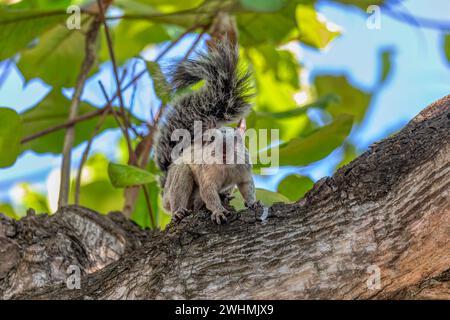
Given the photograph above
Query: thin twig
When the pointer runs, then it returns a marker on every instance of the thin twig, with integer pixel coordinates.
(86, 116)
(145, 146)
(415, 21)
(86, 153)
(89, 144)
(149, 206)
(197, 40)
(96, 113)
(114, 113)
(89, 59)
(132, 100)
(133, 94)
(70, 123)
(124, 115)
(177, 40)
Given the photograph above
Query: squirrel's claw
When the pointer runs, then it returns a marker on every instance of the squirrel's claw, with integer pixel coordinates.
(255, 205)
(218, 217)
(180, 215)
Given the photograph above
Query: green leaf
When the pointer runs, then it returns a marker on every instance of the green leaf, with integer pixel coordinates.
(316, 146)
(111, 198)
(276, 73)
(58, 56)
(38, 4)
(447, 46)
(161, 86)
(54, 110)
(294, 186)
(10, 135)
(267, 197)
(138, 35)
(169, 6)
(314, 31)
(349, 154)
(19, 28)
(8, 211)
(95, 185)
(122, 176)
(33, 199)
(352, 100)
(263, 5)
(272, 27)
(320, 103)
(183, 13)
(386, 62)
(141, 213)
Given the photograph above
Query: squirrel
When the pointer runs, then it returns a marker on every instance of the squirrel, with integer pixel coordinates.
(223, 99)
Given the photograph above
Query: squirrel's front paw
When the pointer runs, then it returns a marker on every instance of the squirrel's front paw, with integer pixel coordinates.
(179, 215)
(219, 217)
(255, 205)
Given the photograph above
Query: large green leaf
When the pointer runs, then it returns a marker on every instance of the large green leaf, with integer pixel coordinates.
(141, 213)
(263, 5)
(38, 4)
(276, 73)
(349, 153)
(352, 100)
(58, 56)
(316, 146)
(314, 31)
(138, 35)
(33, 199)
(294, 186)
(95, 185)
(122, 176)
(320, 103)
(10, 136)
(169, 6)
(54, 110)
(272, 27)
(267, 197)
(8, 210)
(183, 13)
(19, 27)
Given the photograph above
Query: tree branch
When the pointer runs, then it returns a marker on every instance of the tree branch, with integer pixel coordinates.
(89, 60)
(91, 139)
(379, 228)
(123, 114)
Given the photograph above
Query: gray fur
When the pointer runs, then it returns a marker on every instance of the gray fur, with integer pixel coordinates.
(222, 99)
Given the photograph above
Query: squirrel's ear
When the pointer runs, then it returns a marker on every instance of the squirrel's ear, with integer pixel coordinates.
(242, 126)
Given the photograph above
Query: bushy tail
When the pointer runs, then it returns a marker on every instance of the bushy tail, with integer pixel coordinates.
(222, 99)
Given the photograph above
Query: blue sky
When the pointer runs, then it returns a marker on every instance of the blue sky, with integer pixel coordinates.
(420, 75)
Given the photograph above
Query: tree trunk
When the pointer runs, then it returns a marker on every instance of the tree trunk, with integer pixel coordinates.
(379, 228)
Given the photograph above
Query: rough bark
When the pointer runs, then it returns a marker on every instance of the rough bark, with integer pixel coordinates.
(387, 211)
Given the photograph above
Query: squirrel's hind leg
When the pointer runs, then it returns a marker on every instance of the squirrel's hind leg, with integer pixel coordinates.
(177, 191)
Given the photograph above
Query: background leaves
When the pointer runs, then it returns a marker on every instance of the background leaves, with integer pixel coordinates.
(34, 33)
(10, 135)
(54, 110)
